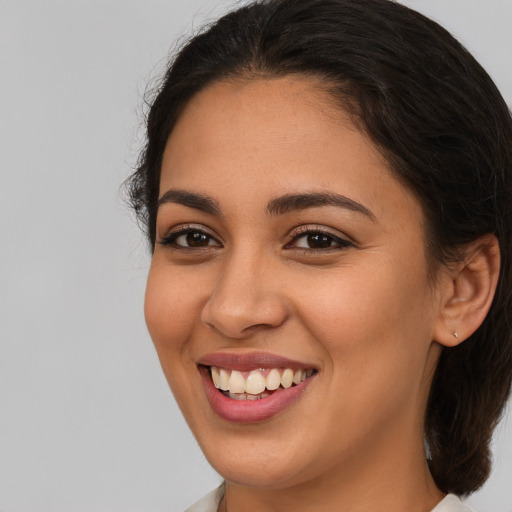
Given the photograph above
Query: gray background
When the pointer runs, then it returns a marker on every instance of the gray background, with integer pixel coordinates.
(86, 420)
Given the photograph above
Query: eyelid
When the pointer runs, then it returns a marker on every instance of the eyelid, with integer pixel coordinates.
(337, 236)
(343, 240)
(182, 229)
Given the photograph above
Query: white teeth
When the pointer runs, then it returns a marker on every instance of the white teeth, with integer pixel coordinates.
(273, 379)
(236, 382)
(247, 396)
(215, 377)
(238, 396)
(287, 378)
(223, 380)
(255, 383)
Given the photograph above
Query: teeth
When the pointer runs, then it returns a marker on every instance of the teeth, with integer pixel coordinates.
(246, 396)
(216, 377)
(223, 380)
(273, 379)
(238, 396)
(236, 382)
(254, 385)
(287, 378)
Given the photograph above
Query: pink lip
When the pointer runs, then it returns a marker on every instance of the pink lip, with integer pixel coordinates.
(251, 361)
(250, 411)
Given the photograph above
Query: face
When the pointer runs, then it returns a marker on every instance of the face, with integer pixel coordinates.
(290, 268)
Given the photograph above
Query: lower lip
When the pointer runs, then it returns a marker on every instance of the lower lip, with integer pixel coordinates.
(250, 411)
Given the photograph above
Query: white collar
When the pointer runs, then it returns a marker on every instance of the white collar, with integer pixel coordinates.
(210, 503)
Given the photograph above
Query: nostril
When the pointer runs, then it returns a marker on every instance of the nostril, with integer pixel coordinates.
(245, 318)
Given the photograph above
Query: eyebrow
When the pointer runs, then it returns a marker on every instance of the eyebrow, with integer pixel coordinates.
(191, 200)
(277, 206)
(296, 202)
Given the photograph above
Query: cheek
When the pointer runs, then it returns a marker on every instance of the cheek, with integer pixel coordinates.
(372, 324)
(374, 332)
(170, 309)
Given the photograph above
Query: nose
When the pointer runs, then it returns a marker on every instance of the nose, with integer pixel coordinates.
(245, 298)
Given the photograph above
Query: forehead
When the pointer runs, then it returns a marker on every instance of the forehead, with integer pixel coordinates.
(278, 109)
(265, 137)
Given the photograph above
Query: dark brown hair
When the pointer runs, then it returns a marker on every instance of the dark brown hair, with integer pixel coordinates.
(445, 130)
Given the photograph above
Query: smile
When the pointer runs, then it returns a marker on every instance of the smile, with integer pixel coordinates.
(256, 384)
(253, 387)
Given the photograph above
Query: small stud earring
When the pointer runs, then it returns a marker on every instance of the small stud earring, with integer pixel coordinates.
(456, 334)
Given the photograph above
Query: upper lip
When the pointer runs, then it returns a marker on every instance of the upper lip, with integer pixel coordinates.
(245, 362)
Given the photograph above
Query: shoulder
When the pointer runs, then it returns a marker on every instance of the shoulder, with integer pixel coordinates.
(208, 503)
(452, 503)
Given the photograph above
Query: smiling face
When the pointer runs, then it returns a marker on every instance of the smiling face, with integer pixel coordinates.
(285, 244)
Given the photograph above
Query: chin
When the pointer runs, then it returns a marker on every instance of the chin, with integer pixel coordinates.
(259, 470)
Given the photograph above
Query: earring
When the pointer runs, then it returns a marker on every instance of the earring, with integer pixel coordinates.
(456, 334)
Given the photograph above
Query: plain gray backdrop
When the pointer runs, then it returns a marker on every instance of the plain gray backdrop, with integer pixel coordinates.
(87, 423)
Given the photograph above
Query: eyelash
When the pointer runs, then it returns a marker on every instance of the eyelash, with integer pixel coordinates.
(307, 231)
(170, 240)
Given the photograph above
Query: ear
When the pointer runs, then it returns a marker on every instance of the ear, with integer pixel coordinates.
(467, 291)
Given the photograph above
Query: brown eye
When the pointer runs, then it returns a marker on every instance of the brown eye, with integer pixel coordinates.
(319, 241)
(315, 240)
(190, 238)
(196, 239)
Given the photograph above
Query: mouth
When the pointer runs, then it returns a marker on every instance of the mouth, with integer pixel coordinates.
(248, 388)
(256, 384)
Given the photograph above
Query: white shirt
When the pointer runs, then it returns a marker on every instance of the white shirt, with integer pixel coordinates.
(211, 501)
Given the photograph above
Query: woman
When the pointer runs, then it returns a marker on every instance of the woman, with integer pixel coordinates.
(326, 189)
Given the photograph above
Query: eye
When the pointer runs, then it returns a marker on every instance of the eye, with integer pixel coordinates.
(190, 238)
(318, 240)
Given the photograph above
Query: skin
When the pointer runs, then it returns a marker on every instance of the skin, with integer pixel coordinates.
(364, 314)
